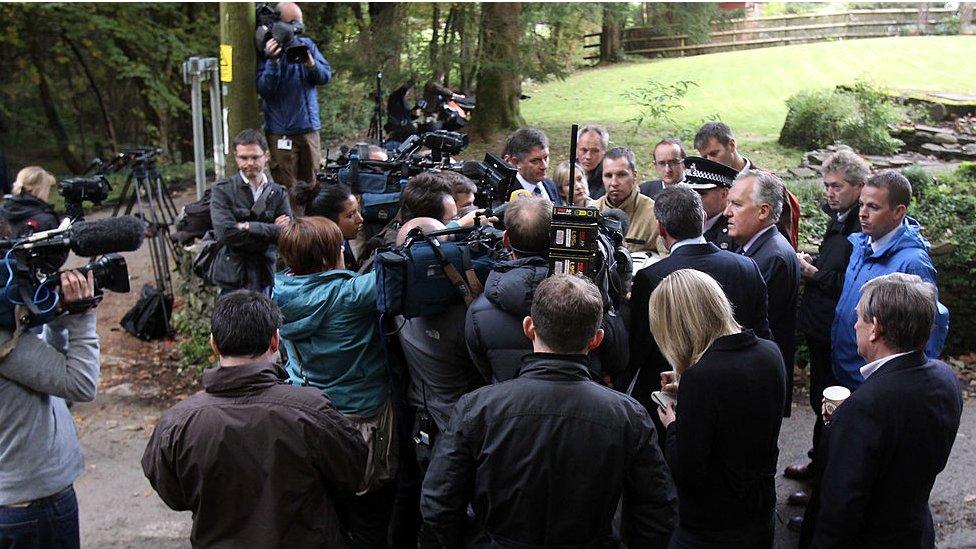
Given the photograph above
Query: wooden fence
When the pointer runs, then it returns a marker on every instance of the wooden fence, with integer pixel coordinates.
(782, 30)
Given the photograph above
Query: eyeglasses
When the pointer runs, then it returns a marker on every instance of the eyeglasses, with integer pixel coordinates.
(668, 163)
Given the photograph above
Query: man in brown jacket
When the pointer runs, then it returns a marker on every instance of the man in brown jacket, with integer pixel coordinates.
(259, 463)
(620, 181)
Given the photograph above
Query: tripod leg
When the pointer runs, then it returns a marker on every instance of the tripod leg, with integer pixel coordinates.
(125, 190)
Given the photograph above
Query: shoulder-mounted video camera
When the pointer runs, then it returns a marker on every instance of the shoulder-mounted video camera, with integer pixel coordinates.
(29, 274)
(425, 276)
(270, 25)
(583, 241)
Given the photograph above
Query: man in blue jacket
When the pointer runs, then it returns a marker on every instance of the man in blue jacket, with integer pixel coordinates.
(889, 242)
(291, 106)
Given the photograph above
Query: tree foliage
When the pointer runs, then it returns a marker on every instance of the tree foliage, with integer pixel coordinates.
(84, 79)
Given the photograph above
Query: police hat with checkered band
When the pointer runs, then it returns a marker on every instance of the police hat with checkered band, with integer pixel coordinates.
(703, 174)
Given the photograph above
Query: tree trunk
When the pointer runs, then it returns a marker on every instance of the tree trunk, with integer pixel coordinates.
(241, 98)
(386, 36)
(499, 80)
(54, 121)
(611, 46)
(435, 27)
(357, 11)
(966, 18)
(923, 17)
(86, 67)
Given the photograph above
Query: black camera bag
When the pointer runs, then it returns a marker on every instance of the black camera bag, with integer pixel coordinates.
(147, 319)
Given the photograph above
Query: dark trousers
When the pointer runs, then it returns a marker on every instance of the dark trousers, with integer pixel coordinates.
(821, 377)
(368, 517)
(297, 164)
(749, 537)
(46, 522)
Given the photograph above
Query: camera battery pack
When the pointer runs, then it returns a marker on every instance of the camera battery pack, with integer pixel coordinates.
(573, 242)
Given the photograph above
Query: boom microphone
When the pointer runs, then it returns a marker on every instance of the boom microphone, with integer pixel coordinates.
(91, 238)
(115, 234)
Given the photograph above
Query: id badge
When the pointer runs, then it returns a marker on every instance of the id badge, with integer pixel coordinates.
(284, 144)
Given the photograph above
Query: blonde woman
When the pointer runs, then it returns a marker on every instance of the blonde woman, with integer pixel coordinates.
(721, 439)
(581, 195)
(27, 210)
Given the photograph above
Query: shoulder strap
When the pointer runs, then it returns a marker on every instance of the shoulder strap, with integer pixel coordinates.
(262, 202)
(452, 273)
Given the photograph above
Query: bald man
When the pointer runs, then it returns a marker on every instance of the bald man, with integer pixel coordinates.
(290, 102)
(440, 371)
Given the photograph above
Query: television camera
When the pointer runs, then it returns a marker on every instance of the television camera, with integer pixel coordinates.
(270, 25)
(29, 268)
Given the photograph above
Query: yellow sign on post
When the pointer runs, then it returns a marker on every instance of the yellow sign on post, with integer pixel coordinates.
(226, 63)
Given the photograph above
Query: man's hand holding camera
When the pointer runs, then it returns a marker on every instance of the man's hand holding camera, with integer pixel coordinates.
(272, 49)
(79, 291)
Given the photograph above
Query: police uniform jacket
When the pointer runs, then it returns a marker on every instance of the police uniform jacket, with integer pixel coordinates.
(718, 234)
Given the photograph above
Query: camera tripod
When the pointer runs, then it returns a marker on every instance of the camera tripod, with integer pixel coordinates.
(155, 207)
(376, 124)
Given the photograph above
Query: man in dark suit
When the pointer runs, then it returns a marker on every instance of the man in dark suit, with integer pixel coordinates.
(528, 150)
(888, 441)
(669, 155)
(755, 204)
(247, 211)
(679, 216)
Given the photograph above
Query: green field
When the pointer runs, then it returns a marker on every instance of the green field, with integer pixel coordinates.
(747, 88)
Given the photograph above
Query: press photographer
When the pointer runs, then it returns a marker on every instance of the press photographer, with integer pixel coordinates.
(41, 454)
(286, 79)
(493, 324)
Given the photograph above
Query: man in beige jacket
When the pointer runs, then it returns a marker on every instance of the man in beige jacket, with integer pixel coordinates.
(620, 181)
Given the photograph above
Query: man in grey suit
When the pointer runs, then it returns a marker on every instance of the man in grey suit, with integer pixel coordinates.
(755, 204)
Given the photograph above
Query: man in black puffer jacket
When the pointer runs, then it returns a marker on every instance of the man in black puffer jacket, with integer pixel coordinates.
(493, 324)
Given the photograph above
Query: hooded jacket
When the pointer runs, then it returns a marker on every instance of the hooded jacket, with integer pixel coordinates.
(329, 331)
(28, 214)
(493, 324)
(907, 252)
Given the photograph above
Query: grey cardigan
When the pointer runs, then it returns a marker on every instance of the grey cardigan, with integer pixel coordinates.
(39, 450)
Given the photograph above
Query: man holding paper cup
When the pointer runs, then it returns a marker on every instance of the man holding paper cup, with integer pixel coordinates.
(887, 441)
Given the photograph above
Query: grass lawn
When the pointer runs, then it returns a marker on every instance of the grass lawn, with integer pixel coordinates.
(747, 89)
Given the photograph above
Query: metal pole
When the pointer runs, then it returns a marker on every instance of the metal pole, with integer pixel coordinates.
(191, 71)
(216, 120)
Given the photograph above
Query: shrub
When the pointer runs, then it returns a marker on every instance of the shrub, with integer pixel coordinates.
(815, 118)
(947, 213)
(858, 115)
(920, 178)
(867, 131)
(659, 102)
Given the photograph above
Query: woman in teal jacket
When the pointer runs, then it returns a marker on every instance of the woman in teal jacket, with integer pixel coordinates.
(330, 325)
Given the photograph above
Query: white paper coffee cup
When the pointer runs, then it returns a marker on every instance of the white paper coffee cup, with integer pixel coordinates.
(833, 397)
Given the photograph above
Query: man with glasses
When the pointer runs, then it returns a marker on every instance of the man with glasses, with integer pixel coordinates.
(668, 157)
(247, 211)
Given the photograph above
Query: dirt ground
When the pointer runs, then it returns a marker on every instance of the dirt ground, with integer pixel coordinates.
(139, 381)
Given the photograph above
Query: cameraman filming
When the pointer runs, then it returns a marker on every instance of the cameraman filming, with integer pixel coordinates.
(39, 452)
(291, 105)
(493, 323)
